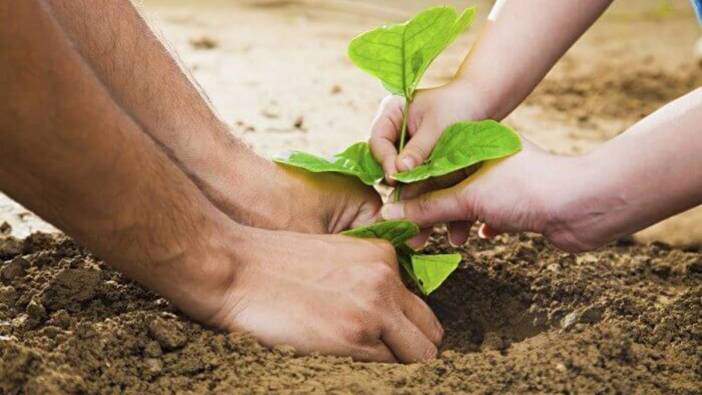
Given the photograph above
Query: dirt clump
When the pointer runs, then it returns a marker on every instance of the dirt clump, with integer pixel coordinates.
(69, 288)
(9, 246)
(519, 317)
(168, 334)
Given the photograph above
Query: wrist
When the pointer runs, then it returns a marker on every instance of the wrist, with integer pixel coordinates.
(279, 197)
(582, 210)
(178, 245)
(265, 200)
(475, 101)
(203, 277)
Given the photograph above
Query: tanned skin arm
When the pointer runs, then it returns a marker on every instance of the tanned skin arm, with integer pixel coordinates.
(130, 60)
(71, 153)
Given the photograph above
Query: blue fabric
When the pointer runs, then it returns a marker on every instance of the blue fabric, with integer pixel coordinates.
(697, 4)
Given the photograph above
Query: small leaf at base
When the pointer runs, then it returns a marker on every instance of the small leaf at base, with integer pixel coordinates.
(396, 232)
(430, 271)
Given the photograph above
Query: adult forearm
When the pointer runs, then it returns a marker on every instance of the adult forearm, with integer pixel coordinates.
(519, 44)
(647, 174)
(73, 156)
(151, 86)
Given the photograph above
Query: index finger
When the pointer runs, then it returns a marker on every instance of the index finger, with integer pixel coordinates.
(385, 131)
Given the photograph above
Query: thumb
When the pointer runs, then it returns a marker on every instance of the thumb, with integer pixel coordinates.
(431, 208)
(418, 148)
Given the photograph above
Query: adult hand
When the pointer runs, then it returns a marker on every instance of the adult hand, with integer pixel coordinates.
(318, 293)
(262, 194)
(324, 202)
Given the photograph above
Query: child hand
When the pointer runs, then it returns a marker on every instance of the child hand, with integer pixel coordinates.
(430, 113)
(530, 191)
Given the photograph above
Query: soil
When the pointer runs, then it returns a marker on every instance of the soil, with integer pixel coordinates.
(519, 315)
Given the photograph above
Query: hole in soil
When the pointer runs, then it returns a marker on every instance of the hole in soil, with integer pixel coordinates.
(482, 313)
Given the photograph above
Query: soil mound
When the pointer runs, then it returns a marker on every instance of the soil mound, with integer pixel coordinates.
(519, 317)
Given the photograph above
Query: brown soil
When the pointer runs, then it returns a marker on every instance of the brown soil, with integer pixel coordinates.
(519, 317)
(615, 92)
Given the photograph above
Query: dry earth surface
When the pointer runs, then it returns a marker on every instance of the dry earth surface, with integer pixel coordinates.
(519, 315)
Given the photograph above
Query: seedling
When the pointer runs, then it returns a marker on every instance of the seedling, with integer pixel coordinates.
(399, 55)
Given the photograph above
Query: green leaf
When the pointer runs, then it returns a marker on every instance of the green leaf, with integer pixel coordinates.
(430, 271)
(427, 271)
(356, 160)
(396, 232)
(404, 256)
(400, 54)
(464, 144)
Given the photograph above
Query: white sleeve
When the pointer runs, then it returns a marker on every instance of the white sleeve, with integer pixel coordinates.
(495, 12)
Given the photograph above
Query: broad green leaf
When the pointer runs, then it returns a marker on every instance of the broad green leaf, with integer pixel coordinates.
(396, 232)
(430, 271)
(356, 160)
(400, 54)
(464, 144)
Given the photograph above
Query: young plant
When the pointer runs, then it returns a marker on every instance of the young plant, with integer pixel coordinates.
(427, 271)
(399, 55)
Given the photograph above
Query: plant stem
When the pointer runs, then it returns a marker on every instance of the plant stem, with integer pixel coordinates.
(403, 135)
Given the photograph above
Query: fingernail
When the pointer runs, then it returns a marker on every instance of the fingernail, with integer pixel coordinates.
(439, 331)
(417, 245)
(430, 354)
(481, 232)
(408, 162)
(392, 211)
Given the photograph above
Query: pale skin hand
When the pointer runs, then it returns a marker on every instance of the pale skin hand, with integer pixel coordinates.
(75, 156)
(580, 203)
(138, 70)
(431, 112)
(514, 51)
(512, 55)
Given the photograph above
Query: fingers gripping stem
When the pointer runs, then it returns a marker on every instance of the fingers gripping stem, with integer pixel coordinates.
(403, 136)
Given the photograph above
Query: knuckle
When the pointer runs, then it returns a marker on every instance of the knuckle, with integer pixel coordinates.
(425, 203)
(377, 145)
(417, 152)
(385, 250)
(380, 276)
(371, 278)
(356, 331)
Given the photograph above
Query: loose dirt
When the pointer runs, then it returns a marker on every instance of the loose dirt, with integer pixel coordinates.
(519, 317)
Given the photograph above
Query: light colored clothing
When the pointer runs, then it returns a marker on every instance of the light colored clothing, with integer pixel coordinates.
(697, 5)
